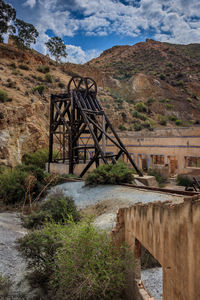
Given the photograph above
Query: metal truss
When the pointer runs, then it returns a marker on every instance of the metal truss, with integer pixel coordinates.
(76, 118)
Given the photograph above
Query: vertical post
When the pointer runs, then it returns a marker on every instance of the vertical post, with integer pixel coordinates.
(96, 150)
(103, 135)
(51, 132)
(63, 142)
(70, 143)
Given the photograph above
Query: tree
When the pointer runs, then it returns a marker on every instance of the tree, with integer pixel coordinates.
(7, 14)
(56, 47)
(26, 34)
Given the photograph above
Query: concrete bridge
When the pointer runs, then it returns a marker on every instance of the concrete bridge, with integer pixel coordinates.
(171, 233)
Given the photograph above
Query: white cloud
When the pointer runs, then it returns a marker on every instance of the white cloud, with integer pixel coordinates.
(175, 21)
(30, 3)
(78, 55)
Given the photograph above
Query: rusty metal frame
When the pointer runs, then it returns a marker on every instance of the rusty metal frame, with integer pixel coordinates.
(78, 114)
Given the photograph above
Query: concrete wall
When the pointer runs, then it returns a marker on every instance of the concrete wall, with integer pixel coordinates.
(60, 168)
(171, 233)
(174, 144)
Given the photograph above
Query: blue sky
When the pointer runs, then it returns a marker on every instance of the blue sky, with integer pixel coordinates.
(88, 27)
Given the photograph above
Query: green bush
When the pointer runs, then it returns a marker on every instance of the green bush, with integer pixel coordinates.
(172, 118)
(137, 126)
(16, 72)
(122, 127)
(76, 261)
(5, 285)
(110, 174)
(158, 176)
(150, 101)
(137, 115)
(38, 158)
(57, 208)
(39, 173)
(162, 77)
(13, 183)
(179, 122)
(124, 116)
(169, 106)
(39, 88)
(61, 85)
(12, 188)
(3, 96)
(48, 78)
(180, 83)
(43, 69)
(141, 107)
(24, 67)
(183, 180)
(162, 120)
(12, 66)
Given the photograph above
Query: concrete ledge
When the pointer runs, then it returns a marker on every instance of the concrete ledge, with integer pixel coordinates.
(147, 180)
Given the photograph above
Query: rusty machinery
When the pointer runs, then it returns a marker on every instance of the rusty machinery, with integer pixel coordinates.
(76, 119)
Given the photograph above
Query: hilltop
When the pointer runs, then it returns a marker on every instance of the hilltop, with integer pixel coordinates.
(163, 76)
(147, 85)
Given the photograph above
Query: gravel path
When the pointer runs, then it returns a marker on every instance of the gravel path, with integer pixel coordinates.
(152, 281)
(11, 264)
(85, 196)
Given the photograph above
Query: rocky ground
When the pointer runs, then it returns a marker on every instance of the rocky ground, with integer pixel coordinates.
(11, 264)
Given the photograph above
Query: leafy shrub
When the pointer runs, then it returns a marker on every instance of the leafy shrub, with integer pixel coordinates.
(48, 78)
(3, 96)
(122, 127)
(5, 285)
(39, 88)
(39, 78)
(162, 77)
(24, 67)
(10, 83)
(180, 83)
(179, 122)
(38, 158)
(124, 116)
(169, 106)
(43, 69)
(162, 120)
(146, 124)
(13, 183)
(141, 107)
(39, 173)
(76, 261)
(16, 72)
(158, 176)
(110, 174)
(13, 66)
(57, 208)
(183, 180)
(172, 118)
(61, 85)
(137, 126)
(150, 101)
(12, 188)
(137, 115)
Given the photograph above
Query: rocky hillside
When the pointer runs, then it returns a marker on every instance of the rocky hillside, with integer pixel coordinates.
(164, 77)
(143, 86)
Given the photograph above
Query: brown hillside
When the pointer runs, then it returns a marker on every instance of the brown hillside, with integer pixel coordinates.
(142, 86)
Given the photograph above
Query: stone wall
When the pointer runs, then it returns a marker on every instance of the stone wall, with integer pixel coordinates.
(171, 233)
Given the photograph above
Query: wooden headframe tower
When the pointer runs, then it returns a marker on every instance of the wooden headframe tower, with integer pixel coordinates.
(77, 117)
